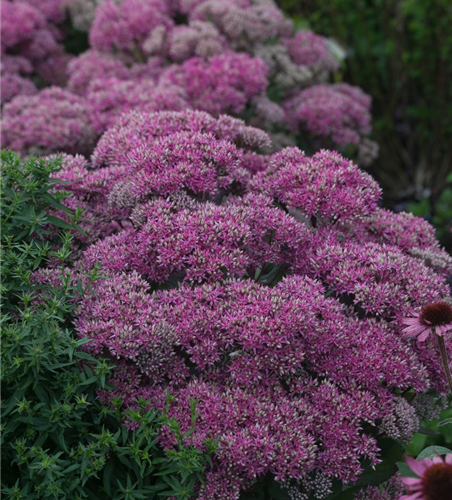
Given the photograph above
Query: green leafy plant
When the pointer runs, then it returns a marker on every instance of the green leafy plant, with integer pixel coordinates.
(439, 212)
(58, 440)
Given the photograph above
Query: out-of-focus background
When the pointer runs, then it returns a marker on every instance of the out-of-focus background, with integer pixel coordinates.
(399, 52)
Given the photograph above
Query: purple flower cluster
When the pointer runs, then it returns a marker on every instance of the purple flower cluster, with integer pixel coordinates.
(47, 122)
(270, 289)
(325, 186)
(14, 85)
(223, 84)
(338, 111)
(126, 26)
(53, 10)
(311, 50)
(199, 243)
(30, 45)
(159, 154)
(137, 131)
(153, 55)
(91, 66)
(392, 490)
(111, 97)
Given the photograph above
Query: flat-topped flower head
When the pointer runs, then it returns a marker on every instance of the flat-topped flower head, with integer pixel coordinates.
(434, 481)
(54, 120)
(436, 317)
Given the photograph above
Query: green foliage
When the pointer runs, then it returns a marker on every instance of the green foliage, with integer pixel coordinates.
(433, 451)
(75, 42)
(438, 211)
(400, 52)
(436, 433)
(58, 440)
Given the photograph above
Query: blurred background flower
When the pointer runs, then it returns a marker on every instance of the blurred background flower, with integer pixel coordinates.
(400, 53)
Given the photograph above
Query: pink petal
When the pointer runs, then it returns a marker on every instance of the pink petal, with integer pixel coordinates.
(448, 459)
(414, 326)
(443, 329)
(411, 481)
(411, 321)
(437, 460)
(413, 331)
(414, 496)
(416, 466)
(423, 336)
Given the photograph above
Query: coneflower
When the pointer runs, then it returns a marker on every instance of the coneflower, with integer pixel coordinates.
(436, 319)
(434, 481)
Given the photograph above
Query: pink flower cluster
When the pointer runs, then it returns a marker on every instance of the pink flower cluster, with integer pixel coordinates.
(53, 10)
(52, 120)
(339, 111)
(393, 490)
(311, 50)
(325, 185)
(13, 85)
(269, 289)
(30, 44)
(223, 84)
(198, 243)
(158, 154)
(137, 131)
(126, 26)
(210, 55)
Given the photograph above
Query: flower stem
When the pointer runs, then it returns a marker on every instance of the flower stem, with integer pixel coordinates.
(445, 360)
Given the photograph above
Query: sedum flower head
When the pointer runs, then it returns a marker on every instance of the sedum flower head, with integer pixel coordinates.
(52, 120)
(338, 111)
(53, 10)
(93, 65)
(269, 288)
(325, 185)
(137, 129)
(13, 85)
(312, 51)
(124, 26)
(223, 84)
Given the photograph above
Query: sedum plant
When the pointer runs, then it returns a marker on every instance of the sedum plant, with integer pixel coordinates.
(271, 289)
(241, 57)
(59, 441)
